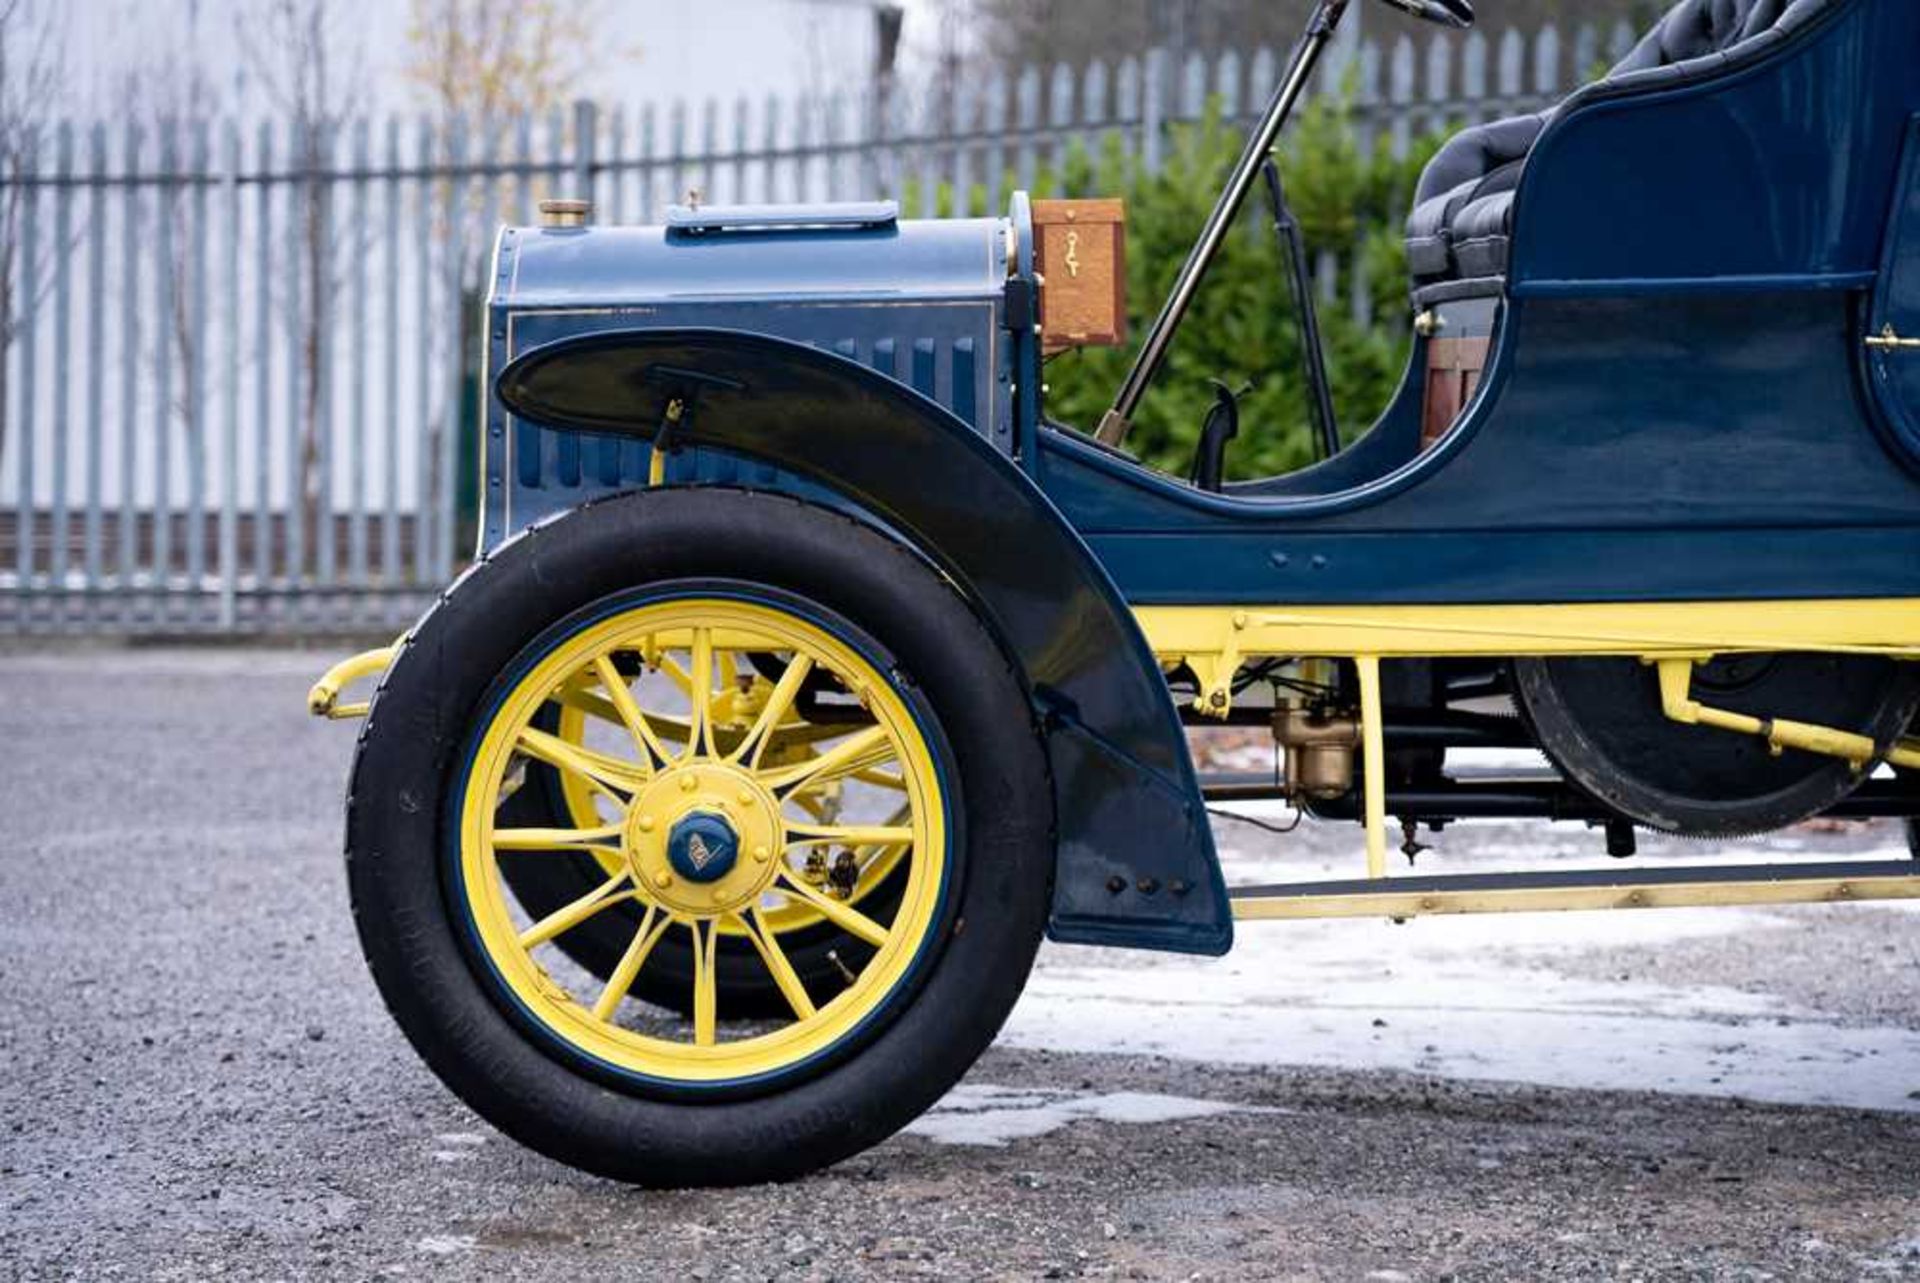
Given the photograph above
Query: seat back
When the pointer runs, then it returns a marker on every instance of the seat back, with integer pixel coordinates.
(1700, 28)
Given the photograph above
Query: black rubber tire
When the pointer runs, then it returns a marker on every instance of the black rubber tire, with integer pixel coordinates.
(543, 881)
(943, 659)
(1601, 724)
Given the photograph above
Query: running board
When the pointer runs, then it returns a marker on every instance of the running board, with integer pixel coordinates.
(1668, 888)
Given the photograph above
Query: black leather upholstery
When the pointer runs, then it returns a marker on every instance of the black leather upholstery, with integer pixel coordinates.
(1475, 162)
(1480, 235)
(1461, 226)
(1697, 28)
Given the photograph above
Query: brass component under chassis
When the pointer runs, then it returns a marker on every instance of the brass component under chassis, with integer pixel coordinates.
(1319, 751)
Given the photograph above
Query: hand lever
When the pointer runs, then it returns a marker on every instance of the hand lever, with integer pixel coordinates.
(1222, 426)
(1448, 13)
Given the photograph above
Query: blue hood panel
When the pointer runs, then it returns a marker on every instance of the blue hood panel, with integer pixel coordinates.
(633, 265)
(920, 302)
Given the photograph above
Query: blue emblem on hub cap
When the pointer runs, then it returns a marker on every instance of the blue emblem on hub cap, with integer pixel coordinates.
(703, 847)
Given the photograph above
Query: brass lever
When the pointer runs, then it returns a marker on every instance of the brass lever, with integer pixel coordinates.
(1888, 341)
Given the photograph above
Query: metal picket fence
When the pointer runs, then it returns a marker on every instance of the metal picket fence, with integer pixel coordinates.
(239, 395)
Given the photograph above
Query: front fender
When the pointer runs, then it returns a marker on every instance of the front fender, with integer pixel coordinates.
(1135, 863)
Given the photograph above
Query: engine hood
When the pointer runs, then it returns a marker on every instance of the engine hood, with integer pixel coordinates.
(857, 252)
(921, 302)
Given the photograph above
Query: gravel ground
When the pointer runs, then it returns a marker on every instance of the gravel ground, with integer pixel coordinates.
(197, 1080)
(1864, 977)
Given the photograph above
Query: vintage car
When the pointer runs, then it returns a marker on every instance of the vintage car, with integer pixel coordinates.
(809, 674)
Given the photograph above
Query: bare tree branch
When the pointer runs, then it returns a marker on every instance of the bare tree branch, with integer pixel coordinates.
(170, 85)
(32, 53)
(305, 61)
(1020, 33)
(483, 63)
(485, 60)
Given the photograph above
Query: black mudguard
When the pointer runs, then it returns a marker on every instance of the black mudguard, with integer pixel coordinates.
(1135, 862)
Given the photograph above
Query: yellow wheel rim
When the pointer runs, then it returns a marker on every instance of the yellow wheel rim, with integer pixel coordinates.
(714, 810)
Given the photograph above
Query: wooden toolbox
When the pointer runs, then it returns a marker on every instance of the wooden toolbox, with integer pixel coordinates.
(1082, 256)
(1459, 337)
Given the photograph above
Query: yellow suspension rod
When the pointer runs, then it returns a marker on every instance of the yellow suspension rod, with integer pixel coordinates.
(324, 699)
(1676, 700)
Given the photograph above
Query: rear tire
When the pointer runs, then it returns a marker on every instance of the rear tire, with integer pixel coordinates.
(1601, 723)
(648, 1105)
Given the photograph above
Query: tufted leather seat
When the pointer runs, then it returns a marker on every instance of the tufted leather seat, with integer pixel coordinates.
(1462, 222)
(1482, 161)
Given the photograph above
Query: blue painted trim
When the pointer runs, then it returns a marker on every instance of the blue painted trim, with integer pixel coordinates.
(1451, 567)
(1697, 448)
(1633, 287)
(1029, 370)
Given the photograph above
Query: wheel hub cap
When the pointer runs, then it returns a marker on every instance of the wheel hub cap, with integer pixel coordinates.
(702, 839)
(703, 847)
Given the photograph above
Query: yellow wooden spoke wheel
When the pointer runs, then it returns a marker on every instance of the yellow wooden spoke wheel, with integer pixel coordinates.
(700, 837)
(704, 831)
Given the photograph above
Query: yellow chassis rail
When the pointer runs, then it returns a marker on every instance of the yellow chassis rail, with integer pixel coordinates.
(1601, 889)
(1215, 641)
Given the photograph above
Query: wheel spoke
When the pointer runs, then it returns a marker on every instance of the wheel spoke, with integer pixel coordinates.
(670, 666)
(700, 694)
(779, 702)
(804, 734)
(822, 809)
(574, 695)
(706, 987)
(850, 920)
(617, 779)
(628, 711)
(579, 911)
(882, 779)
(652, 927)
(778, 965)
(858, 752)
(849, 835)
(874, 855)
(592, 841)
(593, 704)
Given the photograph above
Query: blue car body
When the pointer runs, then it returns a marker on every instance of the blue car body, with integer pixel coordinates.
(1680, 405)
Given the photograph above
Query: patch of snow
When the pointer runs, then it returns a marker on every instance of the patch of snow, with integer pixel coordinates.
(1469, 998)
(446, 1244)
(982, 1114)
(457, 1147)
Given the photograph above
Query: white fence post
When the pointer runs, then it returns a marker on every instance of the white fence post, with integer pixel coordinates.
(330, 312)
